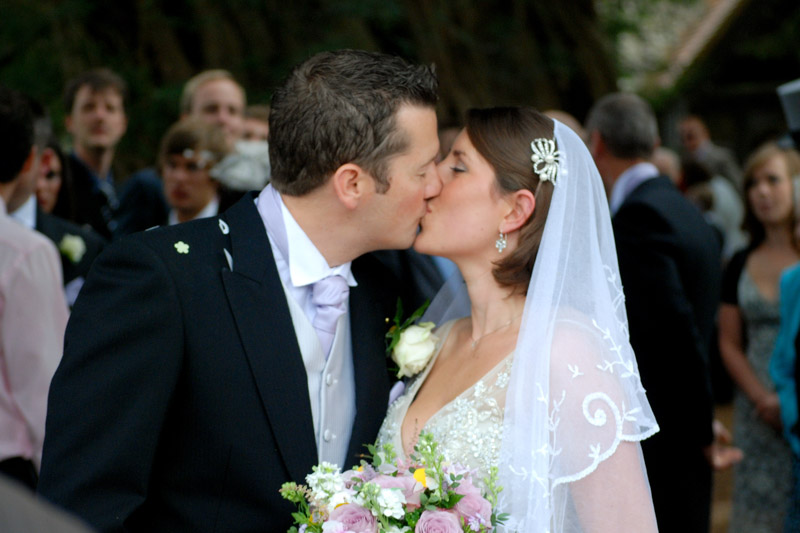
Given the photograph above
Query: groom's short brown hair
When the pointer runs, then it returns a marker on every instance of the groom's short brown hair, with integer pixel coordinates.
(340, 107)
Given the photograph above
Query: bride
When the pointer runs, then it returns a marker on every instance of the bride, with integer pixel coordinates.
(540, 379)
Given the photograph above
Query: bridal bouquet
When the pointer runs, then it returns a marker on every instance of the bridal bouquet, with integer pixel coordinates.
(388, 495)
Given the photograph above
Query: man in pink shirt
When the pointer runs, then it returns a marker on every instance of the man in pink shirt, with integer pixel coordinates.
(33, 312)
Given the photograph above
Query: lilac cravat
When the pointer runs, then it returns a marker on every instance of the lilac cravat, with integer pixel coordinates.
(330, 296)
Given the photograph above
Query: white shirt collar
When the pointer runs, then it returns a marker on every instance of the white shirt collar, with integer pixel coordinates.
(209, 210)
(306, 264)
(26, 214)
(628, 181)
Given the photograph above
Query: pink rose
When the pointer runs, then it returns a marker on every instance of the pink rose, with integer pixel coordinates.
(411, 488)
(466, 488)
(474, 506)
(438, 522)
(355, 518)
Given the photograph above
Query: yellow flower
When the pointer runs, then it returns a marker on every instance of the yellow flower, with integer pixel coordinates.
(419, 475)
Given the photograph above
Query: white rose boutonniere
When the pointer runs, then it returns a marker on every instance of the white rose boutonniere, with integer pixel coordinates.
(415, 348)
(410, 345)
(72, 247)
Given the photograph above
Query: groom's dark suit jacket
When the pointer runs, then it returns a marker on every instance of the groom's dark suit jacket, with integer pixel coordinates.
(181, 403)
(669, 262)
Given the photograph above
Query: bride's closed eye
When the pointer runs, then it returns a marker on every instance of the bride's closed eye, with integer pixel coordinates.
(458, 168)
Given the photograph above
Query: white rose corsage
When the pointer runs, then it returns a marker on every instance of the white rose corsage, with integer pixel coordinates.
(72, 247)
(410, 345)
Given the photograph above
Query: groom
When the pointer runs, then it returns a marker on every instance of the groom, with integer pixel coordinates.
(207, 363)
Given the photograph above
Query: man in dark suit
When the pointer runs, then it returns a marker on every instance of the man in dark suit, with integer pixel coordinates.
(670, 270)
(200, 372)
(78, 246)
(95, 105)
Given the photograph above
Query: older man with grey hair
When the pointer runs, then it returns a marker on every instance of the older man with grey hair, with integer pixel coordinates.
(669, 260)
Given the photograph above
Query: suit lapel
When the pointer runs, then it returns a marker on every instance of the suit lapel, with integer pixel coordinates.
(368, 326)
(258, 304)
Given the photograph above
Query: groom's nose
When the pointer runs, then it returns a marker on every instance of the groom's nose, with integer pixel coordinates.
(433, 183)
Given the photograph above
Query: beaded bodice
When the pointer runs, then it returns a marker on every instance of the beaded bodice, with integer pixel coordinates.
(469, 428)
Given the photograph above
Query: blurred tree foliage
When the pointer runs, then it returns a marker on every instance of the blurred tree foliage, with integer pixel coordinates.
(546, 54)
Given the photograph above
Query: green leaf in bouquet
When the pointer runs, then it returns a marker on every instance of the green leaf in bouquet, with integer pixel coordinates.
(373, 452)
(499, 519)
(451, 500)
(423, 500)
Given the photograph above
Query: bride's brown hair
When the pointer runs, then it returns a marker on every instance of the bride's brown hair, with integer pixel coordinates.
(503, 136)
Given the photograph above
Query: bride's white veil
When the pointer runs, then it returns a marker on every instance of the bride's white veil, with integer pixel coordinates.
(574, 401)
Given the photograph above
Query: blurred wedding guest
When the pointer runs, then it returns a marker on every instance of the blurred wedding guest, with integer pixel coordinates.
(33, 313)
(668, 163)
(78, 245)
(188, 151)
(783, 366)
(95, 105)
(749, 319)
(50, 180)
(669, 261)
(214, 97)
(22, 512)
(719, 201)
(256, 123)
(784, 370)
(698, 145)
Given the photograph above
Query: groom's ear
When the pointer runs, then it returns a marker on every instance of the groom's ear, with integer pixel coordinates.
(351, 183)
(522, 203)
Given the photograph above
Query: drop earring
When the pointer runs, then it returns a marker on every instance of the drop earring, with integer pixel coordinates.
(501, 243)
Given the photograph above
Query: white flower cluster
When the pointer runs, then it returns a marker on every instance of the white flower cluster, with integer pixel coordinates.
(327, 484)
(386, 502)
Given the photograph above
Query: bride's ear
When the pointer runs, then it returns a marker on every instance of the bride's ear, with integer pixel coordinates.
(522, 204)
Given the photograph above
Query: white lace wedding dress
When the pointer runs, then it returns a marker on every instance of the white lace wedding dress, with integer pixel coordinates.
(468, 429)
